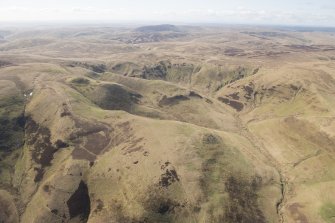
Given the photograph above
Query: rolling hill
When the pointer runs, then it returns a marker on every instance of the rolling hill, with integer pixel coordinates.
(212, 124)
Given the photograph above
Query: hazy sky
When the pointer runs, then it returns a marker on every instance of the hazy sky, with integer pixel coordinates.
(292, 12)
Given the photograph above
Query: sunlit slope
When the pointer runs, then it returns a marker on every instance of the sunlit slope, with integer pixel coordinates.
(290, 111)
(159, 170)
(209, 125)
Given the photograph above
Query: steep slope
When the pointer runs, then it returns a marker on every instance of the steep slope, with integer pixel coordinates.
(75, 152)
(287, 118)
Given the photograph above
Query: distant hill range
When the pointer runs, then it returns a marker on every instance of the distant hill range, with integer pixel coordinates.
(158, 28)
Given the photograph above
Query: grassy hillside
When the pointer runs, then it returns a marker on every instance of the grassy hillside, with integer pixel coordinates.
(188, 124)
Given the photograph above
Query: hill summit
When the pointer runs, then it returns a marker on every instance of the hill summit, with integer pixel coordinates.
(158, 28)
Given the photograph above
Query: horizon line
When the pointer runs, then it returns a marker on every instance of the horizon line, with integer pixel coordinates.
(141, 23)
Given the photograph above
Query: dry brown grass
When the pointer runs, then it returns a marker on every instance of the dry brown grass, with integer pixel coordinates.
(215, 125)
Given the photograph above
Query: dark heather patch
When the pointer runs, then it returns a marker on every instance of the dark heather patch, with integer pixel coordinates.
(234, 96)
(54, 211)
(165, 207)
(80, 80)
(160, 206)
(238, 74)
(238, 106)
(5, 63)
(39, 175)
(98, 68)
(165, 165)
(249, 90)
(208, 101)
(60, 144)
(134, 97)
(90, 139)
(169, 177)
(210, 139)
(294, 88)
(195, 95)
(307, 48)
(11, 129)
(65, 113)
(43, 151)
(125, 134)
(93, 139)
(255, 71)
(21, 121)
(243, 204)
(79, 203)
(96, 142)
(100, 206)
(234, 52)
(157, 71)
(174, 100)
(46, 188)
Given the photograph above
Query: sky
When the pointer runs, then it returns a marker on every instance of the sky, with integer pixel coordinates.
(266, 12)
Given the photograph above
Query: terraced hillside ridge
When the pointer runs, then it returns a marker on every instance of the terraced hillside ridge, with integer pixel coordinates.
(167, 124)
